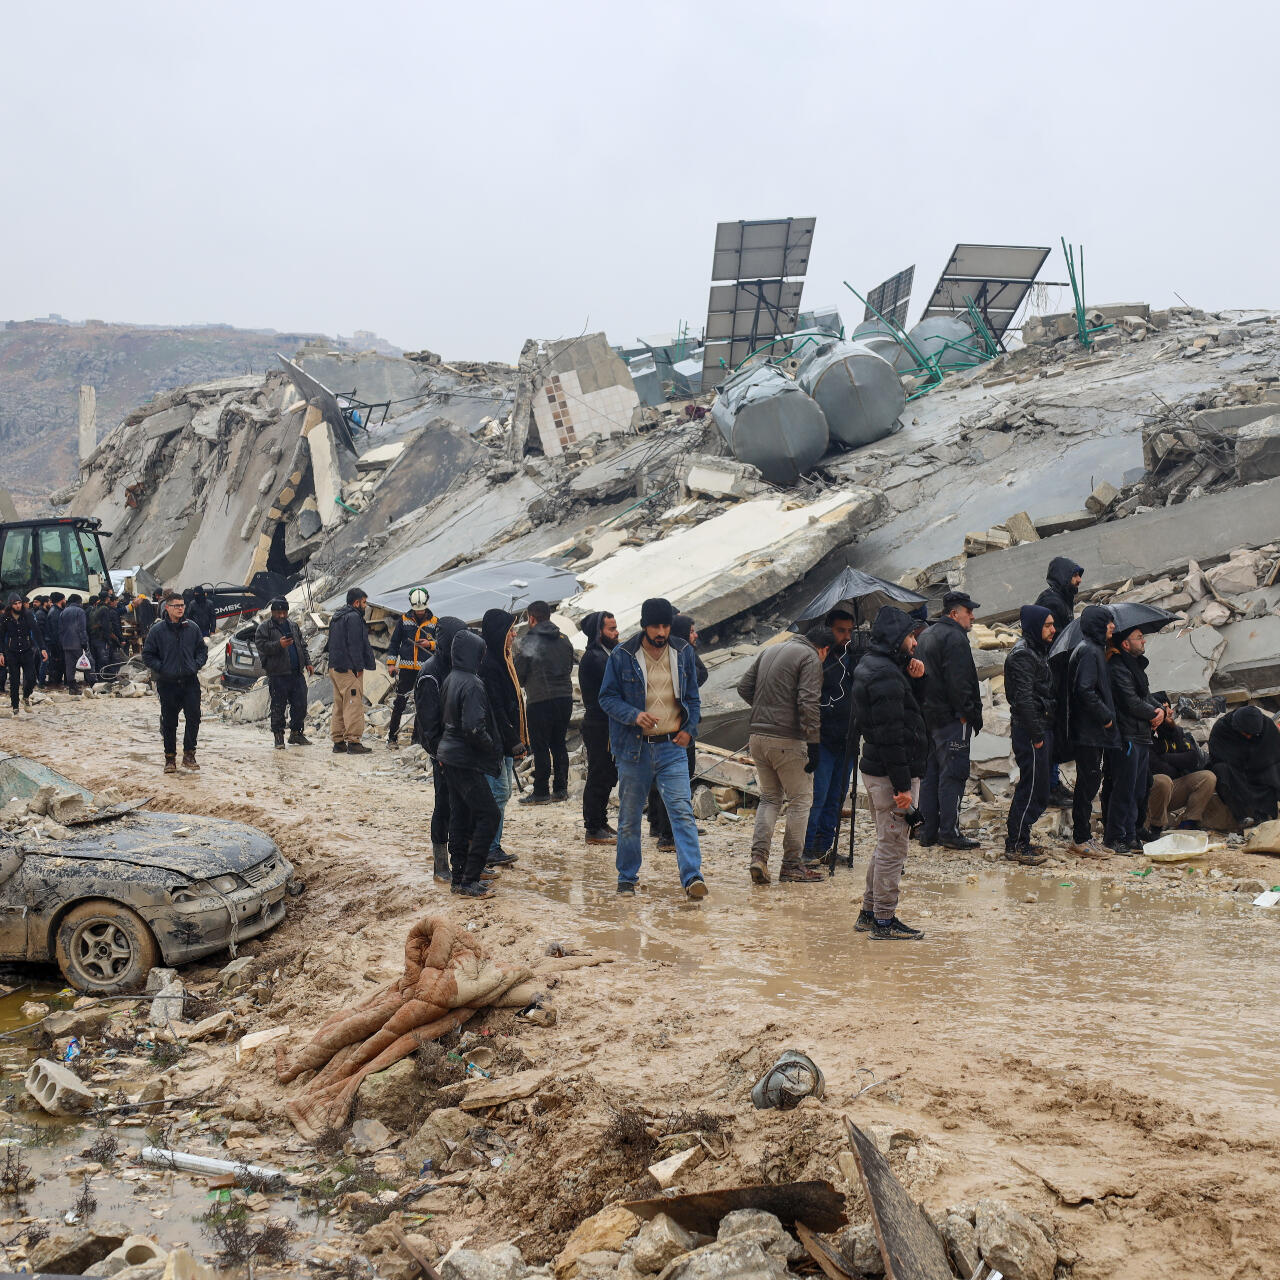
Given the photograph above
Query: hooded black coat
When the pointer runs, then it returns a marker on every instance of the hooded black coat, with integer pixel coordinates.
(428, 702)
(1090, 703)
(1028, 680)
(591, 668)
(503, 697)
(1059, 597)
(471, 738)
(895, 742)
(950, 687)
(1247, 769)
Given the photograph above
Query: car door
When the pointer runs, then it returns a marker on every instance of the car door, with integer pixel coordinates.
(13, 905)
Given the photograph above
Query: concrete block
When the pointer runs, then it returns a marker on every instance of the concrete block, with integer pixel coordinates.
(234, 976)
(1102, 497)
(1250, 660)
(58, 1089)
(1184, 663)
(134, 1252)
(1238, 575)
(377, 684)
(1022, 527)
(1258, 450)
(160, 425)
(1230, 418)
(380, 458)
(720, 477)
(1048, 526)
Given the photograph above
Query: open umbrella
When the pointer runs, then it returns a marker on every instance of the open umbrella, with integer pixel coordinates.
(1143, 617)
(864, 591)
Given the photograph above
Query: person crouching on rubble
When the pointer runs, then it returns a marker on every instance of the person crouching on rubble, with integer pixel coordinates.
(1137, 715)
(428, 726)
(413, 641)
(1244, 754)
(650, 694)
(1181, 781)
(1091, 721)
(601, 630)
(1029, 687)
(284, 659)
(895, 754)
(470, 751)
(174, 651)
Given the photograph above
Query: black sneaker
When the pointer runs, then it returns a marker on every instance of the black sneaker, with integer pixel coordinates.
(476, 889)
(500, 859)
(627, 888)
(864, 923)
(357, 749)
(557, 796)
(927, 842)
(894, 931)
(600, 835)
(340, 748)
(1026, 855)
(958, 842)
(666, 844)
(279, 741)
(1060, 798)
(534, 798)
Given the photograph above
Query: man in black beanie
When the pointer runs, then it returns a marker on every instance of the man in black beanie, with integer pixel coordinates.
(650, 694)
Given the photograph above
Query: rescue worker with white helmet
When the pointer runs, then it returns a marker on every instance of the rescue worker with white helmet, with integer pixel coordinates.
(412, 642)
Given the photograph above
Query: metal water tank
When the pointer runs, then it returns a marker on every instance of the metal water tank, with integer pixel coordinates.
(857, 390)
(949, 339)
(884, 342)
(771, 423)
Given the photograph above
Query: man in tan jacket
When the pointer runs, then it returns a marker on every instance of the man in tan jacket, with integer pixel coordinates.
(784, 688)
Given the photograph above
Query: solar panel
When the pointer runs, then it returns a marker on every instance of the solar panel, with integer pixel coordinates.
(761, 304)
(892, 298)
(996, 276)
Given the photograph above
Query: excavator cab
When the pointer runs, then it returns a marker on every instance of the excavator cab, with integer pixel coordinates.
(57, 554)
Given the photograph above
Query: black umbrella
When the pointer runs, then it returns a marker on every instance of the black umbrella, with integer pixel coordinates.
(1129, 617)
(864, 591)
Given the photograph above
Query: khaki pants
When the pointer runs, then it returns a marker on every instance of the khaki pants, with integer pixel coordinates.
(348, 706)
(780, 766)
(1188, 795)
(884, 872)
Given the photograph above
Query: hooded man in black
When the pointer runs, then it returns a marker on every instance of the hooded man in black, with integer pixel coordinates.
(470, 753)
(895, 751)
(428, 725)
(1244, 754)
(1137, 715)
(21, 650)
(1029, 687)
(601, 630)
(835, 762)
(1059, 597)
(1091, 717)
(498, 629)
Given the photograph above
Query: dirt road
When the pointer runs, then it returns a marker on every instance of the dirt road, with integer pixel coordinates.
(1076, 1027)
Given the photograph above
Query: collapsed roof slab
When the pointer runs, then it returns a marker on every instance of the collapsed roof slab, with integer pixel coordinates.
(1202, 529)
(725, 565)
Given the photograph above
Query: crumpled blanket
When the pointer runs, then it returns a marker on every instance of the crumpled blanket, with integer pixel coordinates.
(447, 978)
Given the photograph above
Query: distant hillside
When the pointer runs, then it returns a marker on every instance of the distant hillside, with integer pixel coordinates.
(43, 365)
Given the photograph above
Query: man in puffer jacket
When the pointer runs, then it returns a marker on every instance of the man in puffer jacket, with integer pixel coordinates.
(174, 651)
(428, 726)
(1137, 714)
(895, 751)
(544, 664)
(471, 752)
(1091, 715)
(1029, 687)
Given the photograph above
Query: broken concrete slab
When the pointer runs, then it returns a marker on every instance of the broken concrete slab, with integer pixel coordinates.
(1184, 662)
(1103, 495)
(380, 458)
(577, 387)
(161, 425)
(1205, 529)
(1258, 450)
(1022, 527)
(1048, 526)
(725, 565)
(720, 477)
(1230, 418)
(1250, 659)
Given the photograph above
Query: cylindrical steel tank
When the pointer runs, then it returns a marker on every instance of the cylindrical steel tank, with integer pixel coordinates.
(771, 423)
(857, 390)
(933, 335)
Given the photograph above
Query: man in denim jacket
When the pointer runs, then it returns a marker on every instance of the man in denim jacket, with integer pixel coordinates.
(650, 694)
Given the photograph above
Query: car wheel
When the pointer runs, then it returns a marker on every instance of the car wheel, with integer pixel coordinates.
(103, 948)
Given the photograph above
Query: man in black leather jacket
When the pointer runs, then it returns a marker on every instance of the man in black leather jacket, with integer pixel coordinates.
(1091, 715)
(1028, 685)
(1137, 714)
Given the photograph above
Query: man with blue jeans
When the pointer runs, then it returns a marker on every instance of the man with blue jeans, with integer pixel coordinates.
(498, 629)
(835, 764)
(650, 694)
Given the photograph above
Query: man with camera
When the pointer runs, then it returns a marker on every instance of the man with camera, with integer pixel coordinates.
(895, 754)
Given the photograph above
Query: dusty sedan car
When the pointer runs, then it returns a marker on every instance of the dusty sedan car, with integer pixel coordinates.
(128, 889)
(243, 666)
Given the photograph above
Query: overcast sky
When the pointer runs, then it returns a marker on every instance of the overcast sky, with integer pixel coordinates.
(463, 176)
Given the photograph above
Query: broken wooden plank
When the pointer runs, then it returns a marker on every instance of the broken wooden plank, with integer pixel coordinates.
(909, 1243)
(823, 1254)
(816, 1203)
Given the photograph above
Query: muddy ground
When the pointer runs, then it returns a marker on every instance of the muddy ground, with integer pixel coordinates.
(1096, 1047)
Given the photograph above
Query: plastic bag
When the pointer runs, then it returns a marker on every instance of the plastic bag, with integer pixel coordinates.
(82, 662)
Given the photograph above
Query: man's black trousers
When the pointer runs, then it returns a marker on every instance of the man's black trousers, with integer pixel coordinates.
(288, 693)
(602, 775)
(1088, 780)
(179, 697)
(440, 813)
(406, 678)
(21, 669)
(473, 822)
(548, 725)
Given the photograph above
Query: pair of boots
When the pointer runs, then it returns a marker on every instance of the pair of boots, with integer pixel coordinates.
(297, 738)
(188, 762)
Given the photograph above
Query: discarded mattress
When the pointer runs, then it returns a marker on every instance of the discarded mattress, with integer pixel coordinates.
(771, 423)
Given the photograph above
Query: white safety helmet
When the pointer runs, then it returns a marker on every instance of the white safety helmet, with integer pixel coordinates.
(418, 598)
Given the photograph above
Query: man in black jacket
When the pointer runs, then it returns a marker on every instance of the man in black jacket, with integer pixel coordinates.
(413, 640)
(21, 650)
(834, 766)
(428, 726)
(1091, 716)
(1029, 687)
(470, 751)
(1059, 597)
(1244, 754)
(350, 656)
(497, 629)
(895, 750)
(201, 612)
(1137, 714)
(601, 630)
(544, 665)
(174, 650)
(284, 659)
(952, 704)
(56, 671)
